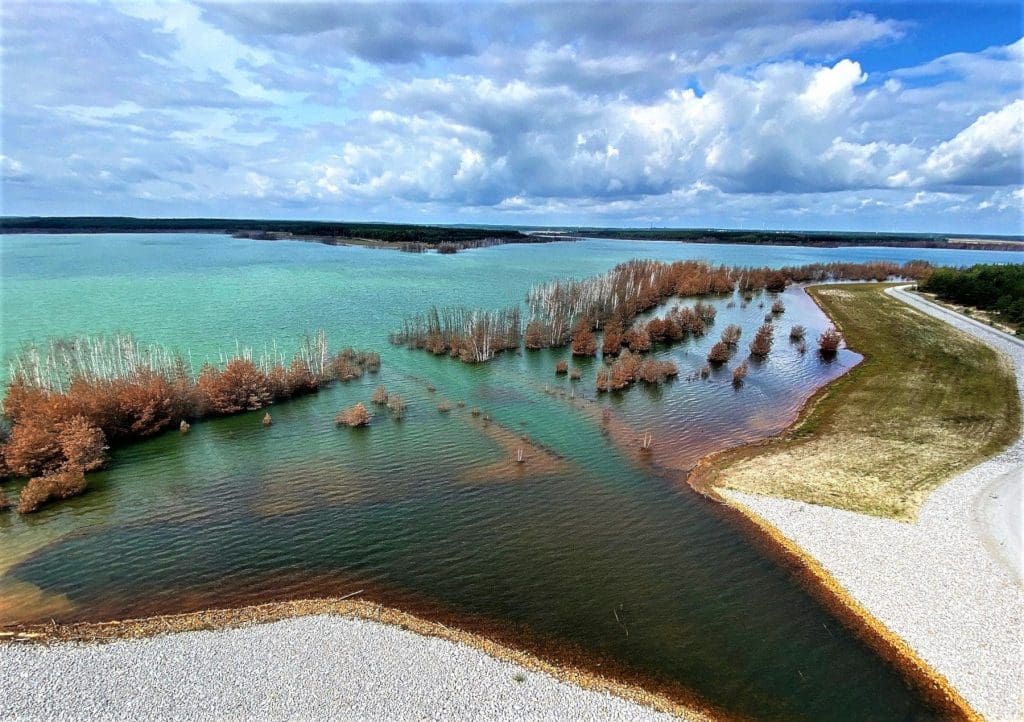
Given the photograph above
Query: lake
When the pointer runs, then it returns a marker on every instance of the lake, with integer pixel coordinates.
(588, 548)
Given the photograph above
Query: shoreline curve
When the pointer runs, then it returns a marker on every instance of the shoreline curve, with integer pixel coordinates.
(905, 633)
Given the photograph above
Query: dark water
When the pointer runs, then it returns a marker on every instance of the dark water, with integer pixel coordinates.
(585, 547)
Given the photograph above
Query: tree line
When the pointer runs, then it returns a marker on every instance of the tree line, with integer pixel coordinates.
(989, 287)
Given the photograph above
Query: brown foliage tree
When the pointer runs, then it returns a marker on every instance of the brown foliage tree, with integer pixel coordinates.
(241, 386)
(775, 281)
(299, 380)
(58, 485)
(638, 340)
(761, 346)
(778, 307)
(380, 396)
(719, 353)
(612, 342)
(583, 341)
(797, 332)
(657, 329)
(34, 446)
(82, 445)
(562, 367)
(705, 312)
(354, 416)
(829, 341)
(535, 337)
(656, 372)
(731, 335)
(739, 373)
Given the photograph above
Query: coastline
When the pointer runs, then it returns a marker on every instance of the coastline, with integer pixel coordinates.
(854, 559)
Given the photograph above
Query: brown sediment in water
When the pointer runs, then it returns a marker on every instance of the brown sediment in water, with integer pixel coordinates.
(16, 595)
(537, 460)
(561, 663)
(833, 596)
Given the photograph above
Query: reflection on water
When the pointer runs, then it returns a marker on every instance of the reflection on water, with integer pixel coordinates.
(586, 540)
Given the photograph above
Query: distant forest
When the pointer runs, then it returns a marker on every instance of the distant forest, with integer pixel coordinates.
(382, 232)
(458, 236)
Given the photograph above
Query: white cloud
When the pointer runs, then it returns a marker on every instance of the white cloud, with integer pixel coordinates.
(990, 151)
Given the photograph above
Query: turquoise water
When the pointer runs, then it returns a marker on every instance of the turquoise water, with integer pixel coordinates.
(588, 547)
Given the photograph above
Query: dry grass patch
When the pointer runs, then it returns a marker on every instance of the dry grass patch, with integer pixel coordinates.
(927, 402)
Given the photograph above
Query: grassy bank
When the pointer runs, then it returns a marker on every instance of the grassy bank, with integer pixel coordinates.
(926, 403)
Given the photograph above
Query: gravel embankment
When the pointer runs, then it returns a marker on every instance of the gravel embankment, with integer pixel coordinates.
(946, 583)
(317, 667)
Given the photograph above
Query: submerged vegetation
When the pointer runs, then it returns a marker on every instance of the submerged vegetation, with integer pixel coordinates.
(630, 367)
(927, 402)
(470, 335)
(571, 311)
(761, 346)
(560, 310)
(67, 400)
(828, 341)
(354, 416)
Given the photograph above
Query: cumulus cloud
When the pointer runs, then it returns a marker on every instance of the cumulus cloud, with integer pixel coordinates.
(700, 114)
(989, 152)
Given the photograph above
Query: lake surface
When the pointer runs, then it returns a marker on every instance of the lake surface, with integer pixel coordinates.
(588, 547)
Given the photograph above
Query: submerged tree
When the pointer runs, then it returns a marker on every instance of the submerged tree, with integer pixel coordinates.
(638, 339)
(583, 341)
(739, 373)
(652, 371)
(62, 484)
(731, 335)
(761, 346)
(719, 353)
(612, 341)
(470, 335)
(829, 341)
(354, 416)
(397, 406)
(535, 337)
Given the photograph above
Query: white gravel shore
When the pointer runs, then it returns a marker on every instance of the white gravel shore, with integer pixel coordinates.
(948, 584)
(318, 667)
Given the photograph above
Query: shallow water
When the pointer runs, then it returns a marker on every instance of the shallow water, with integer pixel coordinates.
(587, 546)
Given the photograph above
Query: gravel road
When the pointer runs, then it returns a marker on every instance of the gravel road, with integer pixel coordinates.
(948, 584)
(318, 667)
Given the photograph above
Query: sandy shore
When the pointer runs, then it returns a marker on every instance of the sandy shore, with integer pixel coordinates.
(949, 585)
(313, 667)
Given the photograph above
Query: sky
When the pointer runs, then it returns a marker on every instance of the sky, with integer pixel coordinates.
(884, 116)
